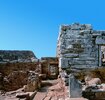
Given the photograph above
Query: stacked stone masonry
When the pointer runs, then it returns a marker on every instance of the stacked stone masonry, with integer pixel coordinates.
(79, 45)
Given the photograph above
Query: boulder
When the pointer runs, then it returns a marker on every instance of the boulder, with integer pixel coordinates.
(92, 81)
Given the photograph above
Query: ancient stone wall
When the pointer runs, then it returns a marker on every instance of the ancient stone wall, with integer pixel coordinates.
(14, 75)
(50, 67)
(78, 46)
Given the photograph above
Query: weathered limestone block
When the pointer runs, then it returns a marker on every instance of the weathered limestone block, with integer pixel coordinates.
(78, 62)
(75, 87)
(63, 63)
(71, 55)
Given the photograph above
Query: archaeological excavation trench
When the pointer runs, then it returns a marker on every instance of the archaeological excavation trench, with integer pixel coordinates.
(76, 73)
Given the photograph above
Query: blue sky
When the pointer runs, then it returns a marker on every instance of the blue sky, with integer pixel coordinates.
(34, 24)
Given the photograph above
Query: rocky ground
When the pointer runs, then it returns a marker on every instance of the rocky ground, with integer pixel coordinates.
(51, 90)
(56, 90)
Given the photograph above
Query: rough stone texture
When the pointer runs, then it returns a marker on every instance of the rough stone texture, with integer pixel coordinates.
(33, 82)
(50, 67)
(75, 87)
(15, 80)
(78, 46)
(7, 68)
(16, 56)
(14, 75)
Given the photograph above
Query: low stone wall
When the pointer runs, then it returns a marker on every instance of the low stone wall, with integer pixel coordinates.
(33, 82)
(7, 68)
(14, 75)
(50, 67)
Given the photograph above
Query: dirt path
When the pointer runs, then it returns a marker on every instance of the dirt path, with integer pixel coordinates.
(56, 91)
(41, 94)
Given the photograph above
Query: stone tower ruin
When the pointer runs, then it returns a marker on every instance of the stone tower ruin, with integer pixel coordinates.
(79, 46)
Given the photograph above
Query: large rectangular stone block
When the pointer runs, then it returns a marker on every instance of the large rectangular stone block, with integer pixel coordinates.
(63, 63)
(71, 55)
(75, 87)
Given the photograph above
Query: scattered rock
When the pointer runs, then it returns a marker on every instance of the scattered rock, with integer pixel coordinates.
(22, 95)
